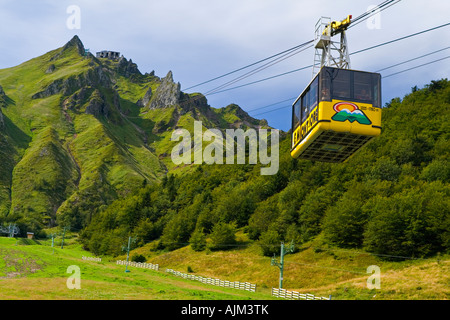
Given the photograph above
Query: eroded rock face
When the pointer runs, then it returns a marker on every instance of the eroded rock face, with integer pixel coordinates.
(167, 94)
(146, 99)
(93, 77)
(97, 105)
(127, 67)
(50, 69)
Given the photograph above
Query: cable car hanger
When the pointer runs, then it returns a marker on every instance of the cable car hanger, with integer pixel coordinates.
(340, 109)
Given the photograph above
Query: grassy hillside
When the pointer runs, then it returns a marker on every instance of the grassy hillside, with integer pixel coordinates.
(36, 271)
(73, 140)
(85, 143)
(322, 271)
(79, 132)
(389, 202)
(33, 270)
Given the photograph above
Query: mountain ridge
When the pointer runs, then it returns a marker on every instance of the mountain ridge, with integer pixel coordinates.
(104, 128)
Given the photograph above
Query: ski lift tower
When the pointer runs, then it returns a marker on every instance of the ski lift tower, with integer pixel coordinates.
(12, 230)
(329, 52)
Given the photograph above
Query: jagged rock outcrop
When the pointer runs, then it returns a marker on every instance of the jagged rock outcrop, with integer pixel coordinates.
(97, 105)
(146, 99)
(127, 67)
(168, 93)
(190, 102)
(96, 76)
(75, 100)
(53, 88)
(50, 69)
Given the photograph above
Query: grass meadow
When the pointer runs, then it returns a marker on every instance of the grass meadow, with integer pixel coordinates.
(34, 270)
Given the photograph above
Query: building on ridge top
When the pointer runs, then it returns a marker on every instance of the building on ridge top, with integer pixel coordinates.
(108, 54)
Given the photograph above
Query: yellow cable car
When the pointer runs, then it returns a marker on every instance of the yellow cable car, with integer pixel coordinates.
(338, 112)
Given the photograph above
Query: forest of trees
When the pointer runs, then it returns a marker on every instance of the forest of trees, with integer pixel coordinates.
(391, 198)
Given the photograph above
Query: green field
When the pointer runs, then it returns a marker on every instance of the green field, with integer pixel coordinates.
(33, 270)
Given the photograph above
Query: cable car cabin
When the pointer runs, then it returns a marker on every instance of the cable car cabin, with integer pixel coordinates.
(336, 115)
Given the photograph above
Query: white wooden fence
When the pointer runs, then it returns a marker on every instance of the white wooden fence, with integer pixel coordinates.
(294, 295)
(215, 282)
(91, 259)
(139, 264)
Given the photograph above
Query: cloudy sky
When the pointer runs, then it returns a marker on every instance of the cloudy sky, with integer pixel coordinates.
(201, 39)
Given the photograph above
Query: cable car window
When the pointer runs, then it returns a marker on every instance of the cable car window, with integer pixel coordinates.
(313, 94)
(376, 78)
(325, 85)
(341, 84)
(363, 86)
(305, 106)
(296, 114)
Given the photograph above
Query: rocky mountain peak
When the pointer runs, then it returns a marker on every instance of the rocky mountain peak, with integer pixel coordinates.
(169, 77)
(167, 94)
(75, 42)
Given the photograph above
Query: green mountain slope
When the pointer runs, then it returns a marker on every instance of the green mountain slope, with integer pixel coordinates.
(77, 132)
(391, 198)
(86, 142)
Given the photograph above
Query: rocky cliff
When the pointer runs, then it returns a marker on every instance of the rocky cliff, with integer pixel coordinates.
(167, 94)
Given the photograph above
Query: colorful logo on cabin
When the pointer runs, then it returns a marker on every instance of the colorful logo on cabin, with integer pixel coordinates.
(349, 111)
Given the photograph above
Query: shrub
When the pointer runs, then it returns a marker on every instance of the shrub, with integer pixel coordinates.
(436, 170)
(223, 236)
(138, 258)
(412, 223)
(344, 222)
(198, 240)
(269, 243)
